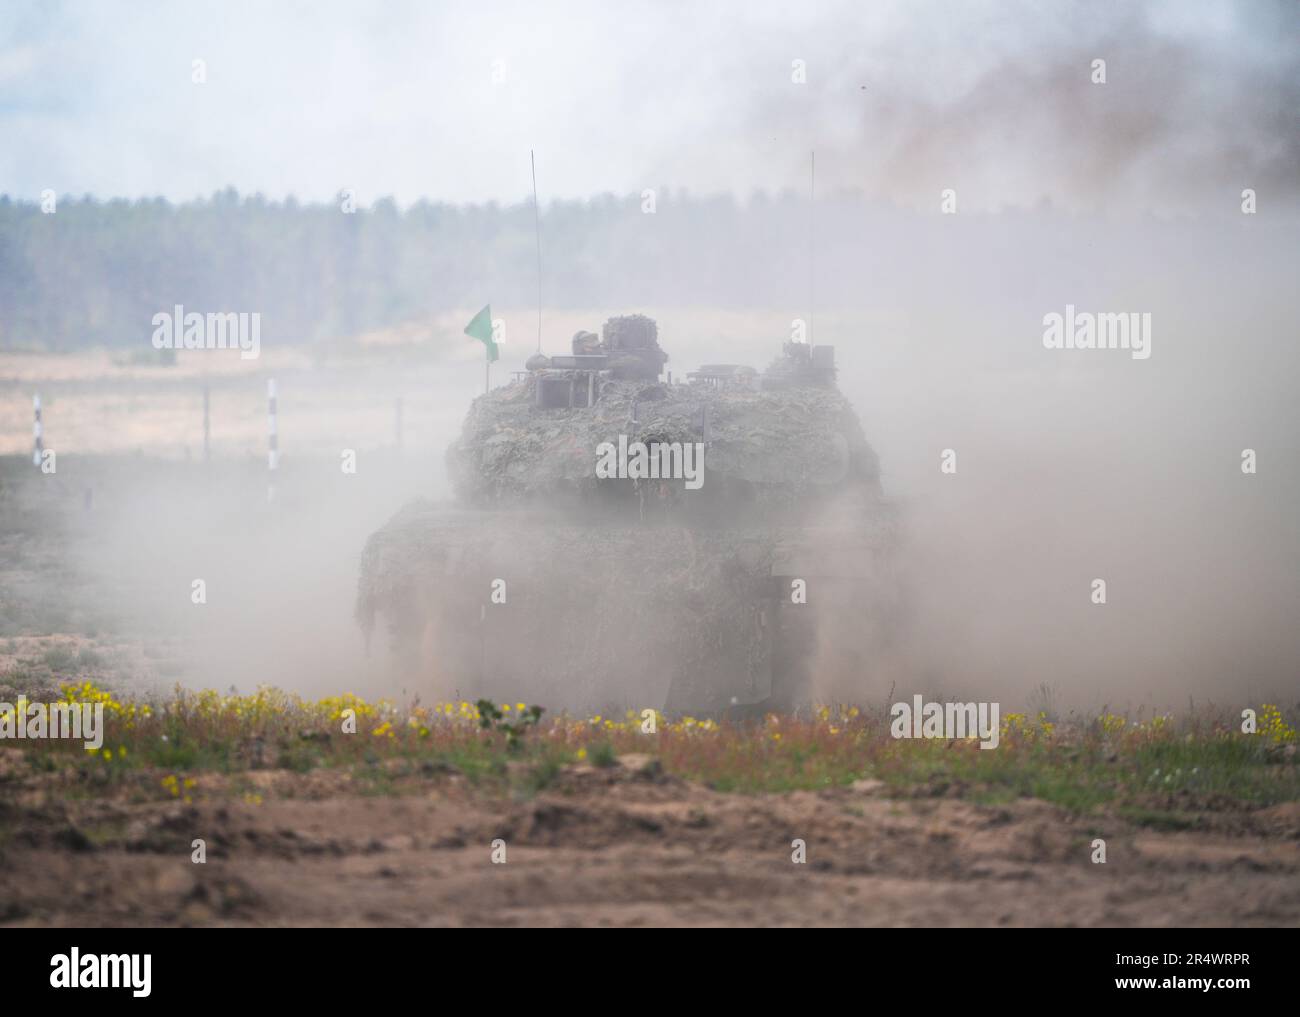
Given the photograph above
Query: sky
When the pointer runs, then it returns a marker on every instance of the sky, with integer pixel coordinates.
(444, 101)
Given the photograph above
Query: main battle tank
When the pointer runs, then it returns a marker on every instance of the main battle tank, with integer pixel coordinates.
(622, 540)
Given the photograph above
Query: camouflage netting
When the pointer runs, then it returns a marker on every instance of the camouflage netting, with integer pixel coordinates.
(630, 332)
(787, 443)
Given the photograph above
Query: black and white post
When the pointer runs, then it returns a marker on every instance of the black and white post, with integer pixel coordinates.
(272, 440)
(38, 431)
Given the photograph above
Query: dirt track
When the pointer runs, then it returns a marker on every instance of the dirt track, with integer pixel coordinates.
(609, 847)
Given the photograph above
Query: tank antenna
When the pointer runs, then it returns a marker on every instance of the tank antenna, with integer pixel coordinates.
(812, 250)
(537, 221)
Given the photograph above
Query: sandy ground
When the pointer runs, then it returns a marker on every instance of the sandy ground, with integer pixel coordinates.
(622, 847)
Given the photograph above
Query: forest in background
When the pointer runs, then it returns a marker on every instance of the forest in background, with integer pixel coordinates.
(93, 273)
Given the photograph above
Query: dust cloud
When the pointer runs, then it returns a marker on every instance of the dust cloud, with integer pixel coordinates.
(1071, 465)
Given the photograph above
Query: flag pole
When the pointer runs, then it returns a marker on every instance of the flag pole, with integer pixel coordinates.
(537, 222)
(480, 328)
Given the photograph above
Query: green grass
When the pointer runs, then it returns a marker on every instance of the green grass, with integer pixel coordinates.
(1156, 773)
(1082, 777)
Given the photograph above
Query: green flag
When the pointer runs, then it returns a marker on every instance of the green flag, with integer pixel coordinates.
(480, 328)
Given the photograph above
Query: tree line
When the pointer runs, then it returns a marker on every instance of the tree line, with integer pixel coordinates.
(94, 272)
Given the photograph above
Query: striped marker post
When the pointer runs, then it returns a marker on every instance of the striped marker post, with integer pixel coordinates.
(38, 431)
(272, 440)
